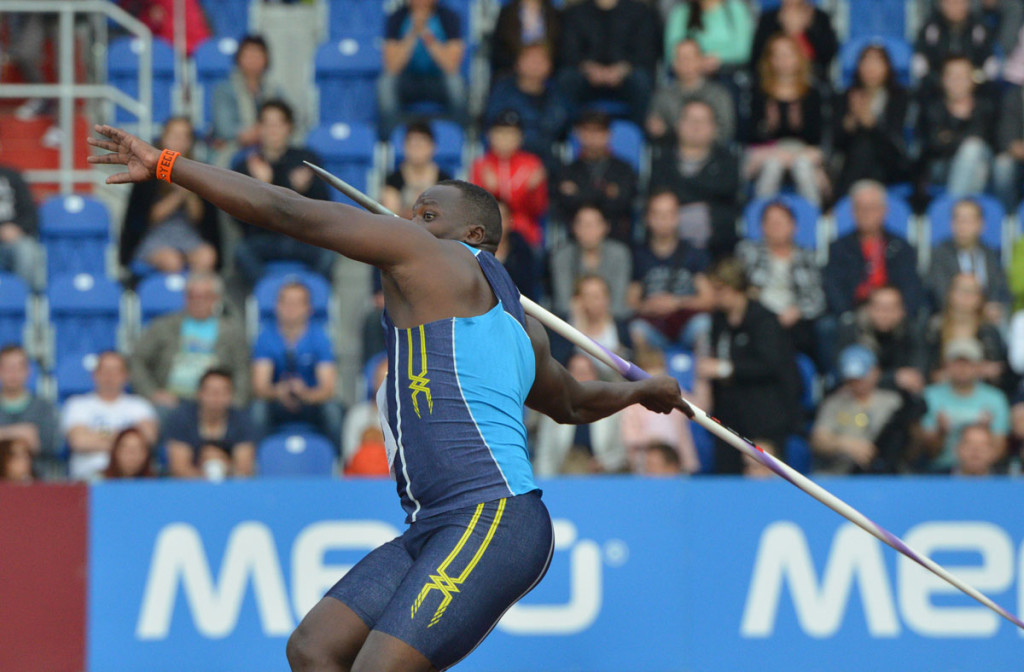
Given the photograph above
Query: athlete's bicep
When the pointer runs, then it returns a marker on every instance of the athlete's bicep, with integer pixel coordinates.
(552, 390)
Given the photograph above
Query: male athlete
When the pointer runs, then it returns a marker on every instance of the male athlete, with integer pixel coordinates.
(463, 360)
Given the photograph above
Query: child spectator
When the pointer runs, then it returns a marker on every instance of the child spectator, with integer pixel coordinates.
(362, 439)
(690, 84)
(590, 253)
(130, 456)
(236, 101)
(15, 461)
(416, 173)
(723, 28)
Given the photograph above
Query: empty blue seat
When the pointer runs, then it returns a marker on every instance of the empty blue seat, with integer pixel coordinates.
(160, 294)
(14, 295)
(296, 454)
(214, 59)
(228, 18)
(356, 17)
(346, 75)
(704, 443)
(806, 235)
(627, 143)
(798, 453)
(681, 365)
(123, 72)
(869, 18)
(73, 375)
(897, 219)
(347, 150)
(940, 219)
(75, 230)
(449, 138)
(85, 312)
(900, 53)
(265, 295)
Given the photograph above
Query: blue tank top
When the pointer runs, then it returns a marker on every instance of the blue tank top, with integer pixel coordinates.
(452, 404)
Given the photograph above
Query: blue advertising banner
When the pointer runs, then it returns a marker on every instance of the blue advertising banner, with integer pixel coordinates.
(647, 576)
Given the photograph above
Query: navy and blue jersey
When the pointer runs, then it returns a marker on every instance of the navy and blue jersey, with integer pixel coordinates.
(452, 404)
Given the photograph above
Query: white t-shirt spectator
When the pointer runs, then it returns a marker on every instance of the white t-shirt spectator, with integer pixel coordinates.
(90, 411)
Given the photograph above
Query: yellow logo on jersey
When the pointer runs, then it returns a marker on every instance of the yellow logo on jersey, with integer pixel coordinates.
(419, 383)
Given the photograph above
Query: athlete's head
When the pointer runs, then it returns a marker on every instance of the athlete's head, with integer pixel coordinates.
(458, 210)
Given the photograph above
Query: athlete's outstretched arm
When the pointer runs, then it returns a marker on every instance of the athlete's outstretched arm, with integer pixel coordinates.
(557, 394)
(375, 239)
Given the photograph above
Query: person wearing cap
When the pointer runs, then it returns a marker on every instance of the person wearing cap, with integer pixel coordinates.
(961, 401)
(514, 176)
(859, 427)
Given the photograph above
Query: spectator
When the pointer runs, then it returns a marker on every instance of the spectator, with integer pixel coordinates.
(591, 314)
(977, 452)
(786, 277)
(207, 438)
(530, 91)
(669, 292)
(966, 253)
(953, 31)
(860, 428)
(810, 26)
(609, 50)
(175, 350)
(277, 163)
(963, 317)
(514, 176)
(956, 132)
(753, 468)
(23, 414)
(869, 124)
(705, 177)
(596, 445)
(597, 177)
(661, 459)
(959, 402)
(754, 380)
(294, 374)
(89, 422)
(166, 226)
(423, 52)
(160, 17)
(690, 84)
(361, 433)
(723, 28)
(590, 253)
(516, 255)
(130, 457)
(19, 227)
(1004, 19)
(787, 115)
(416, 173)
(28, 35)
(1007, 173)
(521, 23)
(237, 100)
(16, 461)
(871, 257)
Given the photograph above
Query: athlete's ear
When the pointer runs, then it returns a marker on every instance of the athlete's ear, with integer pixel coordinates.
(475, 235)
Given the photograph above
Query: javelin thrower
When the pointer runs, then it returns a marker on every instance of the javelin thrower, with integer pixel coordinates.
(463, 359)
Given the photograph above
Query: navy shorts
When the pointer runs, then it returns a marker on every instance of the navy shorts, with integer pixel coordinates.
(443, 585)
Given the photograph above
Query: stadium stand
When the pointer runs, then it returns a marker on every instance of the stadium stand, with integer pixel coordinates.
(213, 61)
(297, 453)
(348, 150)
(123, 72)
(159, 294)
(346, 76)
(14, 309)
(75, 231)
(84, 314)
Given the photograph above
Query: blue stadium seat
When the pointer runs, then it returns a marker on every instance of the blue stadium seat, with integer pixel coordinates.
(627, 143)
(450, 140)
(897, 219)
(85, 312)
(808, 378)
(347, 150)
(346, 74)
(868, 18)
(73, 375)
(265, 295)
(681, 365)
(214, 59)
(357, 17)
(900, 53)
(160, 294)
(14, 295)
(75, 230)
(798, 453)
(123, 72)
(806, 235)
(368, 370)
(940, 219)
(228, 18)
(704, 442)
(299, 454)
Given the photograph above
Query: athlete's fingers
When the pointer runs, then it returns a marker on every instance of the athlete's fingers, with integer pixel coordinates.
(120, 178)
(102, 144)
(685, 407)
(115, 159)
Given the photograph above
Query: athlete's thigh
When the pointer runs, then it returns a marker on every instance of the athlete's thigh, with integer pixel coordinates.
(370, 585)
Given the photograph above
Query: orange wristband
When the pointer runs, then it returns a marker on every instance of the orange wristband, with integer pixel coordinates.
(164, 165)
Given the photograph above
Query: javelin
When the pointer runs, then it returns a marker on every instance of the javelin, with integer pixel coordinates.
(633, 372)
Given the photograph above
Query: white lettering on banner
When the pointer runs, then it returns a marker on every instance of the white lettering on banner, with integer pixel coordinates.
(783, 556)
(994, 574)
(179, 557)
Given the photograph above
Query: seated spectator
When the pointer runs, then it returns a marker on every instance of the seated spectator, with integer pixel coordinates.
(962, 317)
(786, 277)
(661, 459)
(516, 255)
(1007, 173)
(609, 50)
(966, 253)
(591, 252)
(953, 31)
(754, 380)
(597, 177)
(810, 26)
(723, 28)
(690, 84)
(596, 445)
(423, 52)
(871, 257)
(515, 176)
(16, 461)
(19, 228)
(160, 16)
(207, 438)
(275, 162)
(705, 177)
(977, 452)
(175, 350)
(957, 128)
(521, 23)
(237, 100)
(786, 113)
(859, 428)
(870, 118)
(294, 374)
(89, 422)
(23, 414)
(362, 432)
(753, 468)
(130, 457)
(961, 401)
(166, 226)
(591, 314)
(530, 91)
(416, 173)
(669, 293)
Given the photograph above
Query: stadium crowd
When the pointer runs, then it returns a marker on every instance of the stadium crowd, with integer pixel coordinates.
(775, 241)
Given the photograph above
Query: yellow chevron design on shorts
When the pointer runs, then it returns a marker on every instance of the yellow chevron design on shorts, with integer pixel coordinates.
(450, 585)
(419, 383)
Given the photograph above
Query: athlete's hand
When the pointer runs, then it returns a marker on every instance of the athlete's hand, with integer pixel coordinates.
(125, 150)
(661, 394)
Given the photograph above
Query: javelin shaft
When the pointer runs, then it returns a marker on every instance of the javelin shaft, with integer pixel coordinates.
(633, 372)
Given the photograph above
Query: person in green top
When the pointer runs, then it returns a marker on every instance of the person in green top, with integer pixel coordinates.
(723, 28)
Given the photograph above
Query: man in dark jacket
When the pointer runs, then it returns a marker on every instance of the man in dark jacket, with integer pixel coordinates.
(18, 226)
(953, 30)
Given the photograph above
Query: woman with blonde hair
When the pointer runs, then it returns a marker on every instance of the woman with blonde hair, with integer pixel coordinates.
(962, 317)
